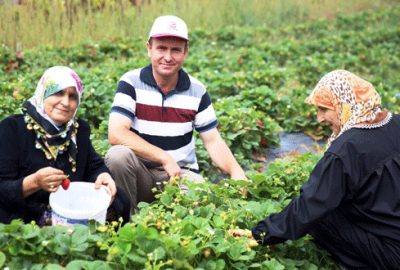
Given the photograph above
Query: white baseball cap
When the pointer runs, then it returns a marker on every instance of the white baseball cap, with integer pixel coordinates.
(169, 26)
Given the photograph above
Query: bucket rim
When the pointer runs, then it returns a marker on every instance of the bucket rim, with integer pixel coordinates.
(81, 214)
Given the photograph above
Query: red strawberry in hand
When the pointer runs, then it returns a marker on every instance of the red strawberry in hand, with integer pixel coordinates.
(65, 183)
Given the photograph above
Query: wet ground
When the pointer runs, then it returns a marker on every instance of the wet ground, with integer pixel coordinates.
(291, 142)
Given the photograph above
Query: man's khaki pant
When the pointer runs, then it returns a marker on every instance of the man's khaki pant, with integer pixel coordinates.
(137, 180)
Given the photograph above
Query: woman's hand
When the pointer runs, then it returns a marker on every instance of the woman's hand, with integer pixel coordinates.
(240, 232)
(244, 233)
(105, 179)
(49, 178)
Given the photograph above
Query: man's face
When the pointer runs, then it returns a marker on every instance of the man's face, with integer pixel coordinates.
(167, 55)
(330, 118)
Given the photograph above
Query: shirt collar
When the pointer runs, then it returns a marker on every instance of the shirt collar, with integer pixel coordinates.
(146, 75)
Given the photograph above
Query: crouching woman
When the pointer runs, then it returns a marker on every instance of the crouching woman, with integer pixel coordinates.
(43, 145)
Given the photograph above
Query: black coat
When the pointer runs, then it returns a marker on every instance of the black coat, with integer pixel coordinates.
(19, 158)
(359, 175)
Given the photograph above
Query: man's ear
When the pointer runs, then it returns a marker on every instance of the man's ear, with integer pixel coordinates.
(148, 49)
(186, 51)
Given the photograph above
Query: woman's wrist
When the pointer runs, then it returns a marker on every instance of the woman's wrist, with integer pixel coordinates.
(30, 185)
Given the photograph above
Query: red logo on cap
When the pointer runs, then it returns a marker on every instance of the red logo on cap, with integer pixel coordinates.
(172, 24)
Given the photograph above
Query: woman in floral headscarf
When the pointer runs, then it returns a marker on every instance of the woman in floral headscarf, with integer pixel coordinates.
(42, 145)
(351, 202)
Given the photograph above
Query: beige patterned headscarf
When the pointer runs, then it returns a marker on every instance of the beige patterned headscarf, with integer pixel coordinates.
(355, 100)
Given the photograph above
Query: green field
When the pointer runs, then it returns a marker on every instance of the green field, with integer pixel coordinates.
(62, 22)
(253, 73)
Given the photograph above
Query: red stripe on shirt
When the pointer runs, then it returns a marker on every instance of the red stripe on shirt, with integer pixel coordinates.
(155, 113)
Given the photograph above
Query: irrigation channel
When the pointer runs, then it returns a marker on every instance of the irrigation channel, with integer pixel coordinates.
(293, 142)
(289, 143)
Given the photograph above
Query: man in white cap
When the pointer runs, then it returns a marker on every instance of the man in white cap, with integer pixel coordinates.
(153, 117)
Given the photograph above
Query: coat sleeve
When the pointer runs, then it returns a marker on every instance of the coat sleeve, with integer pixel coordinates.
(94, 162)
(322, 193)
(11, 196)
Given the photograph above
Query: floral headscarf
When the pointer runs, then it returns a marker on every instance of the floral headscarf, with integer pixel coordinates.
(51, 138)
(355, 101)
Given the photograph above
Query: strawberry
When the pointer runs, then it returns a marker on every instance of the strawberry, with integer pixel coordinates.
(263, 142)
(207, 253)
(65, 183)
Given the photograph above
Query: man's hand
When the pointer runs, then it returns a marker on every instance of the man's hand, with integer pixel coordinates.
(171, 167)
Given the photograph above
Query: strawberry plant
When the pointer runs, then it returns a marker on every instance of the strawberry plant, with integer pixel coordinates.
(178, 231)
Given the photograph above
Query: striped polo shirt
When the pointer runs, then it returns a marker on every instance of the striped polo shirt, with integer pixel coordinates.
(166, 121)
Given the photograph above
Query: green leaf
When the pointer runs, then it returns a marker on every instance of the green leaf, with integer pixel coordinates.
(134, 257)
(95, 265)
(37, 267)
(160, 251)
(255, 265)
(61, 250)
(220, 264)
(218, 222)
(166, 199)
(127, 233)
(236, 251)
(81, 248)
(273, 167)
(143, 204)
(312, 267)
(54, 267)
(13, 250)
(201, 223)
(80, 234)
(2, 259)
(211, 265)
(151, 233)
(188, 229)
(124, 246)
(273, 265)
(147, 246)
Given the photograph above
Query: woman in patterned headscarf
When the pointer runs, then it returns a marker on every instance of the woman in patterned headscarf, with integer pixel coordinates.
(353, 100)
(350, 204)
(41, 146)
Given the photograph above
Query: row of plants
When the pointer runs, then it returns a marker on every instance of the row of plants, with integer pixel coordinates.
(179, 231)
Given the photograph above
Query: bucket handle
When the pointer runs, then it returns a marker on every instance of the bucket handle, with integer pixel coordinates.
(108, 191)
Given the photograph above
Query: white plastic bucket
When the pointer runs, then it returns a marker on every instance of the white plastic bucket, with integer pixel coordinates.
(79, 204)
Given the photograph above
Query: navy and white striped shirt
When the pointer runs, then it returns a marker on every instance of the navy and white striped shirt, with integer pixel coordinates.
(166, 121)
